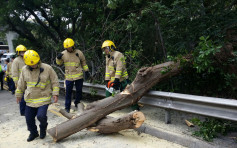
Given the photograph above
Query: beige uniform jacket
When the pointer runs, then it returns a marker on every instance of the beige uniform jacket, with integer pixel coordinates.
(116, 67)
(9, 70)
(74, 63)
(17, 65)
(40, 94)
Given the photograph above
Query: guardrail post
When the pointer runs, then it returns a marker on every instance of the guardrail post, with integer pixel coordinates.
(167, 116)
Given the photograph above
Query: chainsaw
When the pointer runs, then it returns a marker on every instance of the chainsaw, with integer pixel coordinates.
(109, 88)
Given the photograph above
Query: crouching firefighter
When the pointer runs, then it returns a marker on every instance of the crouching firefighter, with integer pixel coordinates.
(39, 82)
(74, 62)
(9, 80)
(116, 75)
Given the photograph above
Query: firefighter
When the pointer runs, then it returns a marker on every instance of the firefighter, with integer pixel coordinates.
(39, 82)
(74, 62)
(17, 65)
(115, 69)
(10, 82)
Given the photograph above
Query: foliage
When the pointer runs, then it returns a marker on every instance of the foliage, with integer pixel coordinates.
(212, 128)
(204, 54)
(147, 32)
(93, 92)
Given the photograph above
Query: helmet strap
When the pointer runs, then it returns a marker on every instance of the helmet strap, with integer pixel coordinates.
(113, 48)
(41, 70)
(73, 48)
(110, 50)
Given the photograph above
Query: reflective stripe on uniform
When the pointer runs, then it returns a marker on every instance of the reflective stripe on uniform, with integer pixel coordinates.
(71, 64)
(56, 89)
(19, 91)
(39, 100)
(85, 67)
(59, 62)
(112, 78)
(20, 70)
(111, 68)
(118, 73)
(125, 74)
(15, 78)
(40, 84)
(73, 76)
(107, 74)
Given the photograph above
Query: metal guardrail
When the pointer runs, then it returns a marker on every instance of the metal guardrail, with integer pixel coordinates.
(207, 106)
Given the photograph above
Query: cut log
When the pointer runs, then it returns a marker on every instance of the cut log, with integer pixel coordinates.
(145, 79)
(66, 114)
(113, 125)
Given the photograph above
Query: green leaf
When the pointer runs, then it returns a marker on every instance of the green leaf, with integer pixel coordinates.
(202, 38)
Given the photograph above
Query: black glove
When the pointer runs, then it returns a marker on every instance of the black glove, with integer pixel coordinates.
(106, 82)
(87, 75)
(128, 81)
(116, 84)
(59, 56)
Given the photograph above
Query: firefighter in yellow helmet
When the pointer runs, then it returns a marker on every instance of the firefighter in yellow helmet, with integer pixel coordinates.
(17, 65)
(39, 82)
(74, 62)
(116, 71)
(115, 67)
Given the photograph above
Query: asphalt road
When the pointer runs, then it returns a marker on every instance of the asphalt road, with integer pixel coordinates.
(13, 132)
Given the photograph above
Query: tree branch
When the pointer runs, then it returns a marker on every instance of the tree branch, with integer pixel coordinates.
(51, 23)
(23, 31)
(55, 39)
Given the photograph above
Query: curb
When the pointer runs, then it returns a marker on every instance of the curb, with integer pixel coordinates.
(178, 138)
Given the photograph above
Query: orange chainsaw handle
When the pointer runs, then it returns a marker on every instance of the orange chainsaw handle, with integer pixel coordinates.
(110, 84)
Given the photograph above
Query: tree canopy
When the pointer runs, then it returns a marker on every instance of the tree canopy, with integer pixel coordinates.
(148, 32)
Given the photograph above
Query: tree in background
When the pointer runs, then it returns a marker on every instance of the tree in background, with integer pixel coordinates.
(148, 32)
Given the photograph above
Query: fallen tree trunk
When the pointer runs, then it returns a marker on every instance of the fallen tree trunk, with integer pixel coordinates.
(145, 79)
(113, 125)
(110, 124)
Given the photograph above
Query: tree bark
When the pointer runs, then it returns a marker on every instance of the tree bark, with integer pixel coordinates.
(66, 114)
(110, 124)
(145, 79)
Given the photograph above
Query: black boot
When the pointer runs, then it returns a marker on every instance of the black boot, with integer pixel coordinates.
(43, 130)
(32, 137)
(67, 110)
(42, 134)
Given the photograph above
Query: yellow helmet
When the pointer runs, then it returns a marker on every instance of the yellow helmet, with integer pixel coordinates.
(109, 44)
(31, 57)
(20, 48)
(68, 43)
(5, 79)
